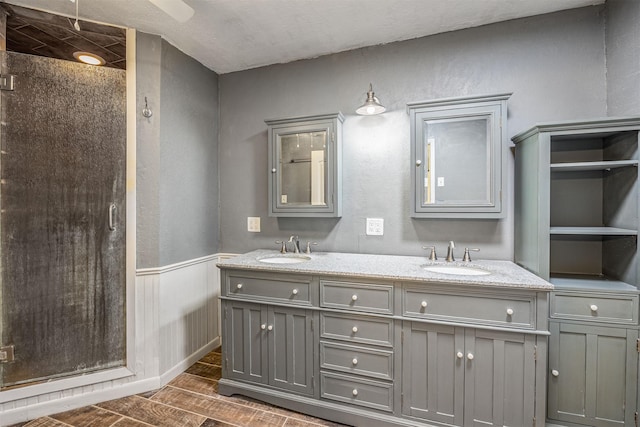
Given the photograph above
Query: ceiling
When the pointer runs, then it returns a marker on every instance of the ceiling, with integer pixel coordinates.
(234, 35)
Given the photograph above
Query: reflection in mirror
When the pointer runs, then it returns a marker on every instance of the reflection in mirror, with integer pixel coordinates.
(303, 166)
(457, 161)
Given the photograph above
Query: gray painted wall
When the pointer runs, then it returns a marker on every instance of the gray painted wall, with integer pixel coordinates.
(177, 176)
(554, 65)
(623, 57)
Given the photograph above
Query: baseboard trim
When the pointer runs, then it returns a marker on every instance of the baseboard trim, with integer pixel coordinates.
(184, 365)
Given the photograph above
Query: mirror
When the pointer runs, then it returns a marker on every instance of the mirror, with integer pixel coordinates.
(458, 160)
(305, 166)
(457, 156)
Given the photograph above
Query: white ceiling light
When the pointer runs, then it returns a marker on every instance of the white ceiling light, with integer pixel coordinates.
(89, 58)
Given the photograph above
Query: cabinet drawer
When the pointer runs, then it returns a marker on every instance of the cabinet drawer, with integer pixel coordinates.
(356, 360)
(368, 330)
(613, 308)
(476, 308)
(290, 289)
(372, 298)
(357, 391)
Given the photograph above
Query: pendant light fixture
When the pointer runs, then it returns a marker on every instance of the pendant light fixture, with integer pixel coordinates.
(372, 105)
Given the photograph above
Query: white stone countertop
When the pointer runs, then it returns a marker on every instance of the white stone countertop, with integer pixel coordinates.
(503, 274)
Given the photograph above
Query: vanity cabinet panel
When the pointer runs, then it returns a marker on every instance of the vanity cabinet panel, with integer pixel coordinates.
(458, 155)
(357, 329)
(592, 374)
(595, 307)
(357, 391)
(468, 377)
(366, 297)
(471, 307)
(305, 166)
(245, 342)
(269, 345)
(267, 288)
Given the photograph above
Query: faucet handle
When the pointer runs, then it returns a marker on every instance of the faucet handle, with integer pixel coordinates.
(432, 254)
(283, 248)
(308, 250)
(466, 256)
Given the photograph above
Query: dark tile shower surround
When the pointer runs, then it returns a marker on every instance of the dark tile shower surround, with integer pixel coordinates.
(190, 400)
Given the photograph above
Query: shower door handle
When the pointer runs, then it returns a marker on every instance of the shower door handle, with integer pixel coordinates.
(112, 212)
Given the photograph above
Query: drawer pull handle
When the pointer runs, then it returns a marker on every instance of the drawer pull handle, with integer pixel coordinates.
(470, 356)
(594, 307)
(354, 329)
(239, 286)
(295, 292)
(354, 392)
(270, 327)
(555, 373)
(423, 304)
(263, 326)
(354, 298)
(354, 361)
(459, 355)
(509, 311)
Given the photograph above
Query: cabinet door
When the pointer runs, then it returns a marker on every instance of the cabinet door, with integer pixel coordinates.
(499, 378)
(291, 349)
(593, 374)
(433, 372)
(245, 344)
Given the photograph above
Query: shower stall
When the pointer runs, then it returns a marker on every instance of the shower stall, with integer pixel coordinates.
(62, 219)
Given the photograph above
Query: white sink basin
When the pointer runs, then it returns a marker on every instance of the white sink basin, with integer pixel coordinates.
(284, 259)
(456, 270)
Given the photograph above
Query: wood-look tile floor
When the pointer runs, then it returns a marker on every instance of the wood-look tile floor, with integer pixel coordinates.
(190, 400)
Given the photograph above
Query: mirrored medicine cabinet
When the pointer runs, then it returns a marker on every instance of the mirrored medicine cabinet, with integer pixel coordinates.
(305, 156)
(457, 157)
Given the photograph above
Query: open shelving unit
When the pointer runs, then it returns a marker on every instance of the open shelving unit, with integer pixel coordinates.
(577, 203)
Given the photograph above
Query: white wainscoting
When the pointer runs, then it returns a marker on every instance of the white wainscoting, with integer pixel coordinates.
(177, 321)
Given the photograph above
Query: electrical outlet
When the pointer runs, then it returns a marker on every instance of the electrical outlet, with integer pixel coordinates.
(375, 226)
(441, 181)
(253, 224)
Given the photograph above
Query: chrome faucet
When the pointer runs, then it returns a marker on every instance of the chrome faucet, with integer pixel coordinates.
(450, 257)
(296, 244)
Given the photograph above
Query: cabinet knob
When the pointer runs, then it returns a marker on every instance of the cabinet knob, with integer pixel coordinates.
(509, 311)
(355, 392)
(423, 304)
(470, 356)
(239, 286)
(273, 170)
(270, 327)
(354, 329)
(263, 326)
(295, 292)
(594, 307)
(354, 297)
(418, 162)
(354, 361)
(459, 355)
(555, 373)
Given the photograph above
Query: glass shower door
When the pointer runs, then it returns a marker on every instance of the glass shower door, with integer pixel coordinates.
(62, 218)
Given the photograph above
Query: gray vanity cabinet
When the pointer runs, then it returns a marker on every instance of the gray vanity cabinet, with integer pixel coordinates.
(305, 166)
(270, 345)
(468, 377)
(592, 374)
(576, 217)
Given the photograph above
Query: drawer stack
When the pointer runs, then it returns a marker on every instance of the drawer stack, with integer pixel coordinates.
(356, 349)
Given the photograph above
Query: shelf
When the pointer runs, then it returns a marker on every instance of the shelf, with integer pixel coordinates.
(592, 166)
(593, 231)
(589, 283)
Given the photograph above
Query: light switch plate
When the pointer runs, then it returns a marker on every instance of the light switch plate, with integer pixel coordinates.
(253, 224)
(375, 226)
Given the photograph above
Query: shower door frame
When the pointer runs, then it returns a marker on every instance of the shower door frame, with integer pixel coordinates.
(128, 370)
